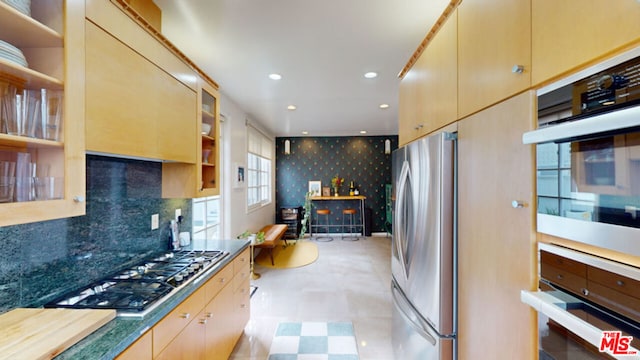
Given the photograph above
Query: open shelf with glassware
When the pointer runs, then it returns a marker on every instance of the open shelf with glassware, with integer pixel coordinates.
(41, 131)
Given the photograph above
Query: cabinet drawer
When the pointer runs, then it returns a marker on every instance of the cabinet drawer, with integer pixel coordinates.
(240, 281)
(241, 262)
(563, 263)
(178, 319)
(614, 300)
(563, 278)
(216, 283)
(614, 281)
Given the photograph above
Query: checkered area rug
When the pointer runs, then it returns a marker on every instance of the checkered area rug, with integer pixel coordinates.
(314, 341)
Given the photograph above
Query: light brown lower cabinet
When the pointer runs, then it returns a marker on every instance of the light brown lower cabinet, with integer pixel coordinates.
(206, 325)
(139, 350)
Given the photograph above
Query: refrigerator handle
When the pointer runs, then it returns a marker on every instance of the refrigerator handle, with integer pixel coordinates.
(403, 308)
(401, 233)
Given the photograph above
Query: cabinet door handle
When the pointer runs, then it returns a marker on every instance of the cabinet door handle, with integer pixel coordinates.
(517, 69)
(620, 283)
(185, 315)
(560, 277)
(78, 198)
(203, 321)
(585, 292)
(516, 204)
(243, 306)
(209, 315)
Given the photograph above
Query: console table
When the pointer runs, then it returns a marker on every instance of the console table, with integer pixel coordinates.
(360, 198)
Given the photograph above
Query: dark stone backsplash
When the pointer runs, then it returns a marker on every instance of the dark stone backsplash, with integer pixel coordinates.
(359, 159)
(43, 260)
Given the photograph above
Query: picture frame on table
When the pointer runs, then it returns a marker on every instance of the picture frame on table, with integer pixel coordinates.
(326, 191)
(315, 187)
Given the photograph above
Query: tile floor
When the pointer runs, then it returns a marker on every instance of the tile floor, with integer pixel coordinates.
(349, 282)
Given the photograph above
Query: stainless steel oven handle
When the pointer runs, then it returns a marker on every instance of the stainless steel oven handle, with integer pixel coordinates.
(402, 306)
(611, 121)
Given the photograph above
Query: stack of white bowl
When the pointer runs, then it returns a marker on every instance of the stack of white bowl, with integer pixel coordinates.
(12, 53)
(24, 6)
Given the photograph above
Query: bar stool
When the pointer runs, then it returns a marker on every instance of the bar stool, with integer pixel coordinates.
(325, 213)
(352, 237)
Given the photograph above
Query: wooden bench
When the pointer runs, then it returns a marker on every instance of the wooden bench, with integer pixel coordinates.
(272, 236)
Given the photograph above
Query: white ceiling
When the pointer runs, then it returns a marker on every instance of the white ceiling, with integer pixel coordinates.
(321, 48)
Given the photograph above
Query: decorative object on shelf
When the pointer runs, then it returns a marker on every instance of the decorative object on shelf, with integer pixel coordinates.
(205, 155)
(336, 182)
(326, 191)
(352, 188)
(287, 147)
(206, 129)
(315, 187)
(387, 146)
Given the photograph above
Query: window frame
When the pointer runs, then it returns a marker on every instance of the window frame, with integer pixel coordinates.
(259, 170)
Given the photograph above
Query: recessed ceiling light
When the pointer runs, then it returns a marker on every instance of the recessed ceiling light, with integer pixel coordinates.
(305, 133)
(275, 76)
(291, 107)
(370, 75)
(384, 106)
(363, 131)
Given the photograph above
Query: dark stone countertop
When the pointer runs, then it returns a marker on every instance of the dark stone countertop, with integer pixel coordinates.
(115, 336)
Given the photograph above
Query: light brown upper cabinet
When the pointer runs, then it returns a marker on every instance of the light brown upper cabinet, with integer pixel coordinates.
(135, 108)
(494, 52)
(571, 33)
(51, 38)
(138, 101)
(429, 91)
(180, 180)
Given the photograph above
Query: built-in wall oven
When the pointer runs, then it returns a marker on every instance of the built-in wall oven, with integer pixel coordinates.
(588, 191)
(588, 156)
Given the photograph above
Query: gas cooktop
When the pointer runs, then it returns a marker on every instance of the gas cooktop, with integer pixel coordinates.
(137, 290)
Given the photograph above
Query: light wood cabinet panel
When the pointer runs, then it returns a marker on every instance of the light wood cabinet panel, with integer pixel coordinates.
(571, 33)
(133, 107)
(496, 245)
(172, 324)
(429, 91)
(221, 332)
(114, 20)
(189, 343)
(139, 350)
(493, 36)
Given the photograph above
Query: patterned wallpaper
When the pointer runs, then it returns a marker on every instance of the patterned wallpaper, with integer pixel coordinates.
(358, 159)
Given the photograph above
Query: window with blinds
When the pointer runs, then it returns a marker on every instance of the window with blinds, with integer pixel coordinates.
(258, 168)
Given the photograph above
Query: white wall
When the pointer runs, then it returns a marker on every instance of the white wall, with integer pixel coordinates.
(234, 151)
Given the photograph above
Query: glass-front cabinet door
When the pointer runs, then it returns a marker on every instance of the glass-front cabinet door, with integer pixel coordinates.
(42, 163)
(209, 165)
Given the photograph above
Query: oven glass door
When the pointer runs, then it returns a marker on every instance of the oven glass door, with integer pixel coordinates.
(594, 180)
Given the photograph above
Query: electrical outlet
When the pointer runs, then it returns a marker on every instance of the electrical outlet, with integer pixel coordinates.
(155, 221)
(178, 213)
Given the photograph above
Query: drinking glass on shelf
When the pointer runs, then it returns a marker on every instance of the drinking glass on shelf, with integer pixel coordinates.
(51, 114)
(7, 180)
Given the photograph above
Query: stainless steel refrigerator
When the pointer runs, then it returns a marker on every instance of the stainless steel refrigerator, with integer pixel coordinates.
(423, 261)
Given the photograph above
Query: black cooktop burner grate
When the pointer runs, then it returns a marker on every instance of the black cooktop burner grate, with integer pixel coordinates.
(137, 288)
